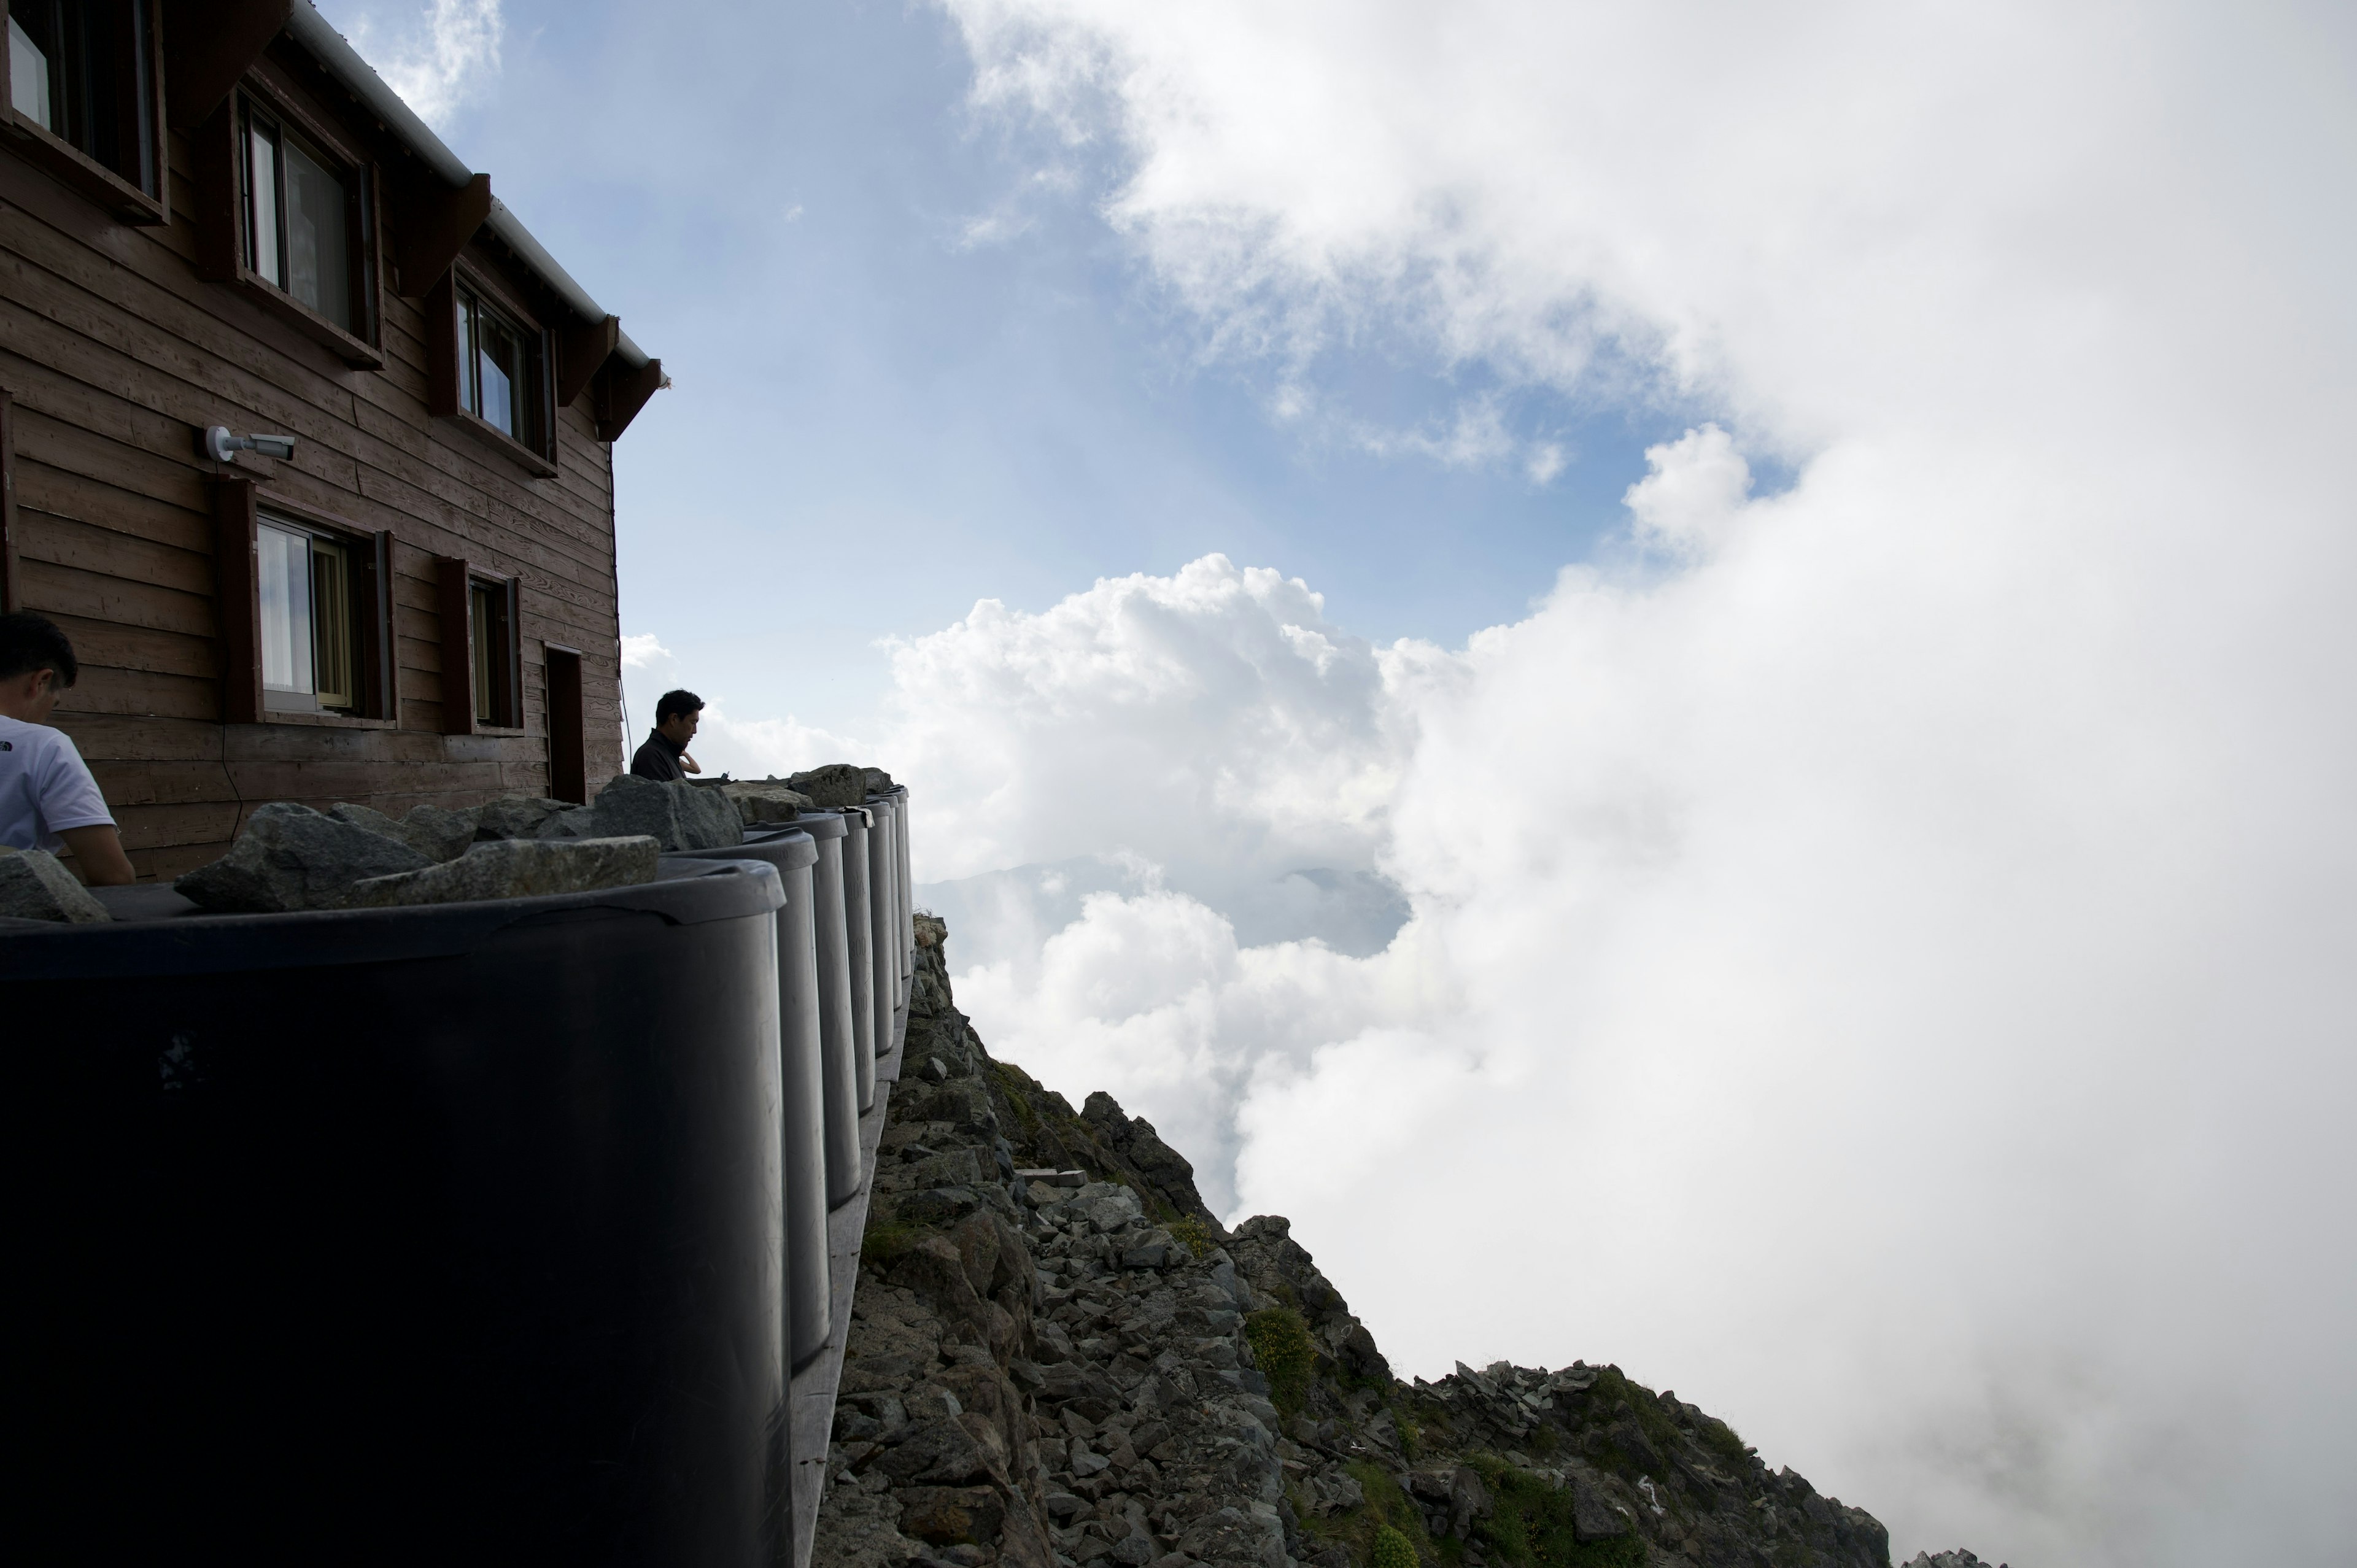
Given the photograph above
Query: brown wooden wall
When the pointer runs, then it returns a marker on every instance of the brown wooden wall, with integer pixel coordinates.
(116, 352)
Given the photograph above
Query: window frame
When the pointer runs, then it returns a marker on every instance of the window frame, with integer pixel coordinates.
(242, 509)
(451, 374)
(126, 197)
(227, 242)
(465, 654)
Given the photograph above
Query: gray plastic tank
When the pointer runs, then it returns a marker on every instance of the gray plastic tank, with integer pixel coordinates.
(893, 807)
(859, 923)
(884, 904)
(837, 1040)
(907, 896)
(803, 1063)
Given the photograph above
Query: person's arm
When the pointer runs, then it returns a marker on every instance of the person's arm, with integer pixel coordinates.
(99, 851)
(687, 764)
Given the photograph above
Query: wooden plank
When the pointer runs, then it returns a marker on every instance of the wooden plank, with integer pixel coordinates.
(135, 519)
(71, 449)
(105, 690)
(156, 782)
(343, 779)
(107, 646)
(158, 827)
(59, 590)
(122, 737)
(65, 542)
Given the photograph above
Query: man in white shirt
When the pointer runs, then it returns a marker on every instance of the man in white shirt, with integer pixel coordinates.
(47, 798)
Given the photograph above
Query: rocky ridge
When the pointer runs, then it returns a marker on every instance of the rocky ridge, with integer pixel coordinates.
(1059, 1358)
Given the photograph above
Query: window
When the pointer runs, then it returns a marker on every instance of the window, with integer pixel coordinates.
(310, 619)
(301, 211)
(500, 379)
(490, 614)
(83, 70)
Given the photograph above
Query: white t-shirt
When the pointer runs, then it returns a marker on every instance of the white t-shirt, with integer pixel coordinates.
(45, 788)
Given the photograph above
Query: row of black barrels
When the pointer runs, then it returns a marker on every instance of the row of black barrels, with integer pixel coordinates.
(485, 1232)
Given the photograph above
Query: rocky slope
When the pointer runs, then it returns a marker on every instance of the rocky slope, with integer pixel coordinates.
(1046, 1375)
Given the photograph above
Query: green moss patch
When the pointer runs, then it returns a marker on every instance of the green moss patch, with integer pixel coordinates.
(1531, 1524)
(1285, 1354)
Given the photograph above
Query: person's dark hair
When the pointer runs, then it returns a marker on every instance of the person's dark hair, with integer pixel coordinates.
(30, 642)
(671, 703)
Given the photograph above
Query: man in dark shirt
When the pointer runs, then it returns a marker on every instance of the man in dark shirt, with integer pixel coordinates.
(664, 757)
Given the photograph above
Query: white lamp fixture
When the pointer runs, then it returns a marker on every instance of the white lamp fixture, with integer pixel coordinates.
(219, 445)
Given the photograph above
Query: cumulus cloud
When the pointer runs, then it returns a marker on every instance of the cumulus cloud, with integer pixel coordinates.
(1879, 952)
(437, 61)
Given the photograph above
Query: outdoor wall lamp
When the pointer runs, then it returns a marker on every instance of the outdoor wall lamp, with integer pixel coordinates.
(219, 445)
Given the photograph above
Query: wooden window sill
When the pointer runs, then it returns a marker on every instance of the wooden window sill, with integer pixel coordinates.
(310, 322)
(506, 445)
(517, 731)
(76, 170)
(326, 721)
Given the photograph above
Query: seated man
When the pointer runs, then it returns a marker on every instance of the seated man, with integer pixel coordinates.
(664, 758)
(47, 798)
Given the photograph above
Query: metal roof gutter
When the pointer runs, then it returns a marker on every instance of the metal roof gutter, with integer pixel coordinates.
(343, 62)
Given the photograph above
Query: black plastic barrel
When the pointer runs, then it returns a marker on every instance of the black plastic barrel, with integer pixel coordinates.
(883, 905)
(794, 856)
(400, 1236)
(838, 1040)
(859, 921)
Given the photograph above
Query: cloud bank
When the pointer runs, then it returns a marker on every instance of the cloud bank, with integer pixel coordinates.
(1880, 947)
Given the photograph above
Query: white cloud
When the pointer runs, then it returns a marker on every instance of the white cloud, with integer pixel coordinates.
(1884, 971)
(439, 60)
(642, 649)
(1692, 495)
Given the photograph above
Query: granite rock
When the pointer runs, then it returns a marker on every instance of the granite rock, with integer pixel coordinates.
(766, 800)
(292, 857)
(34, 886)
(515, 868)
(677, 815)
(834, 784)
(520, 817)
(434, 831)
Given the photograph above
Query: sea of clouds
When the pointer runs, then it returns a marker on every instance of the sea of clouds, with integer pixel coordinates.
(1879, 952)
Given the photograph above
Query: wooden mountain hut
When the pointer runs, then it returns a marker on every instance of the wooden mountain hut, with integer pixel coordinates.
(216, 222)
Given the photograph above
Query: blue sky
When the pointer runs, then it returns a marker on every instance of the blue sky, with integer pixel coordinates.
(782, 202)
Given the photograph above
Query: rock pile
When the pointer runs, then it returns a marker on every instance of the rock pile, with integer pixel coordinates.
(291, 857)
(1051, 1376)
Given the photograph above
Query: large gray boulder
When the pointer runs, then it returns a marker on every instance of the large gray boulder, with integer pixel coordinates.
(519, 817)
(836, 784)
(34, 886)
(515, 868)
(292, 857)
(675, 815)
(434, 831)
(766, 800)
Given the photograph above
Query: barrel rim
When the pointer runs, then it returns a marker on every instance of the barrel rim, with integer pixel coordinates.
(689, 894)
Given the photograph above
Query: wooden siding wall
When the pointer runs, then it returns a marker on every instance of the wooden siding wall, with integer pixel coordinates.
(116, 353)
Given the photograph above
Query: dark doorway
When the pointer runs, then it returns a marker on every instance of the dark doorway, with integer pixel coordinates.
(567, 769)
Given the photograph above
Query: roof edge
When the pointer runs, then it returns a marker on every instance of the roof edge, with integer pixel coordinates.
(343, 62)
